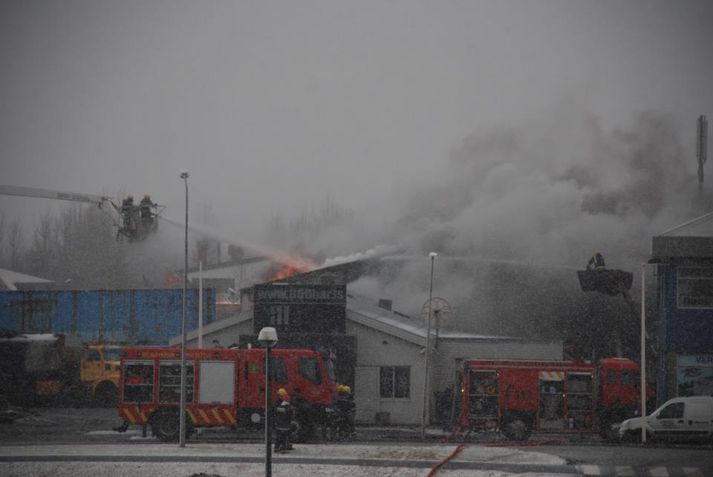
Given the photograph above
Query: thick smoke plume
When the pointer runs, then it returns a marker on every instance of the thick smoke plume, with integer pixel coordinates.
(517, 211)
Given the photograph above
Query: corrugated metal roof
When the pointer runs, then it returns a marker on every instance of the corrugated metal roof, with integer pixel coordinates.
(9, 279)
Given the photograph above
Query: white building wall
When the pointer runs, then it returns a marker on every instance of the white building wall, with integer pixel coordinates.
(374, 350)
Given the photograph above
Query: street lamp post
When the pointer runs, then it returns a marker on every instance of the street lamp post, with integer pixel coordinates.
(267, 338)
(424, 415)
(182, 410)
(643, 350)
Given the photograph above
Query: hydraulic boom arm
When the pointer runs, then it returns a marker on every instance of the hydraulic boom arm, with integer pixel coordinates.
(52, 194)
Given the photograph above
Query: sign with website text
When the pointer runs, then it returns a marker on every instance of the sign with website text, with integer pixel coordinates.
(295, 308)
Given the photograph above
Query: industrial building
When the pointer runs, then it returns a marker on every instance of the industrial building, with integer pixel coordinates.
(684, 337)
(379, 352)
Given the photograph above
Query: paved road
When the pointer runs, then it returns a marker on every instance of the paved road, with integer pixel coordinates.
(636, 460)
(580, 455)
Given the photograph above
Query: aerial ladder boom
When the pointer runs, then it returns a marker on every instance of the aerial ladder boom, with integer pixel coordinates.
(134, 222)
(52, 194)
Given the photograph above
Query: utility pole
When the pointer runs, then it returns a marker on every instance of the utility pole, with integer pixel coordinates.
(701, 148)
(182, 405)
(426, 388)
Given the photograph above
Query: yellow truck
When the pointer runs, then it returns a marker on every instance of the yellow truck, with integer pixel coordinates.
(99, 371)
(45, 369)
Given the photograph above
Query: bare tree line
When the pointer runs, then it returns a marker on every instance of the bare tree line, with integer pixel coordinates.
(75, 249)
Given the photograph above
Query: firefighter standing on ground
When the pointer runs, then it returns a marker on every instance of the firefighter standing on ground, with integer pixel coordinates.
(345, 411)
(282, 417)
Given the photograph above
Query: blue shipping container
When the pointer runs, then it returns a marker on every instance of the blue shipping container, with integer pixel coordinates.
(141, 316)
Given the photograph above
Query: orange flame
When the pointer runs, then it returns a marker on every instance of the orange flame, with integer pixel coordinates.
(294, 266)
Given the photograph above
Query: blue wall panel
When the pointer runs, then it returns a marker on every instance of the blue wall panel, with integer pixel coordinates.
(149, 316)
(688, 330)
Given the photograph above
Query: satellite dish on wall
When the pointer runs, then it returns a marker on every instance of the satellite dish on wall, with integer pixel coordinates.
(440, 311)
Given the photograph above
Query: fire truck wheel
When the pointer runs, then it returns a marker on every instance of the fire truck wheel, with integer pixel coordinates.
(165, 426)
(517, 430)
(105, 395)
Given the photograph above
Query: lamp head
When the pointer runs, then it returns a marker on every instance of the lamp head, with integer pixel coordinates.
(433, 255)
(267, 337)
(184, 174)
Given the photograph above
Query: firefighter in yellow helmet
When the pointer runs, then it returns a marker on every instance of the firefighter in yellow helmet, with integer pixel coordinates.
(282, 418)
(345, 408)
(596, 262)
(145, 207)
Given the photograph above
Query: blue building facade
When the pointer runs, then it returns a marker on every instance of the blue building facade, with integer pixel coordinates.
(684, 269)
(140, 316)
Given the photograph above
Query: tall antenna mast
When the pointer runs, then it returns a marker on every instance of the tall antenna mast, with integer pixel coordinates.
(701, 148)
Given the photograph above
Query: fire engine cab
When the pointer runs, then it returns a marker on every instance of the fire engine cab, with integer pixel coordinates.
(224, 387)
(518, 396)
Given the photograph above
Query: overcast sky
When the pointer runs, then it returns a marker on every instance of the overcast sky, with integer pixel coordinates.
(274, 105)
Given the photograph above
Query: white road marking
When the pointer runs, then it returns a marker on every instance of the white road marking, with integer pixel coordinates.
(692, 472)
(624, 471)
(658, 472)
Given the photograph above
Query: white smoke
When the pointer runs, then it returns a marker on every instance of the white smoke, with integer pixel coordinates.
(518, 209)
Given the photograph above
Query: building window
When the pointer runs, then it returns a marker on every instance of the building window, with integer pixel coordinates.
(395, 381)
(695, 287)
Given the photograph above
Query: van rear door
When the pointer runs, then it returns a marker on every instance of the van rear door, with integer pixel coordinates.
(698, 418)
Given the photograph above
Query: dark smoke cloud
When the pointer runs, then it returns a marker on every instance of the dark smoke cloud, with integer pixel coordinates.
(518, 210)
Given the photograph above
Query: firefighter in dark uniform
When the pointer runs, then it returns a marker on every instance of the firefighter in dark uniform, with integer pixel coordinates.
(345, 408)
(127, 216)
(282, 417)
(145, 210)
(596, 262)
(127, 206)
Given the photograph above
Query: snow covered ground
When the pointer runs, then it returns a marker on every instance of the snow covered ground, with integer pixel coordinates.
(406, 453)
(94, 469)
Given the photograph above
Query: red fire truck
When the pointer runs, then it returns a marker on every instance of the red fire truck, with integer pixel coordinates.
(518, 396)
(224, 387)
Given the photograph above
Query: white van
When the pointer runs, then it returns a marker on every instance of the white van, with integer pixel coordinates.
(681, 418)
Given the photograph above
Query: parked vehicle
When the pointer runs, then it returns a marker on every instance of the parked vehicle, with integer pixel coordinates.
(519, 396)
(224, 387)
(99, 372)
(52, 369)
(681, 418)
